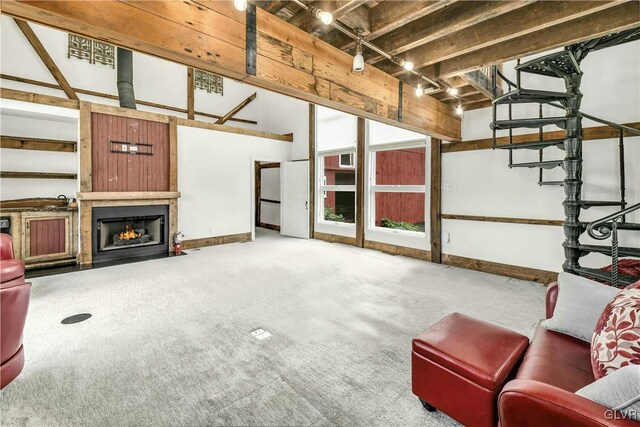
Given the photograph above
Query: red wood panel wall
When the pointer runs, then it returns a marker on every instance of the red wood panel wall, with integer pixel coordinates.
(129, 172)
(47, 236)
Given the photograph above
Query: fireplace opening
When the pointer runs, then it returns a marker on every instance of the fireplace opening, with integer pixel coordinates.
(126, 231)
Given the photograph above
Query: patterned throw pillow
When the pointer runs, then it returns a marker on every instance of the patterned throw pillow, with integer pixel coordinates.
(616, 339)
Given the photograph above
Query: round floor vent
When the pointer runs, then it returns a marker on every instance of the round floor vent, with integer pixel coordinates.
(76, 318)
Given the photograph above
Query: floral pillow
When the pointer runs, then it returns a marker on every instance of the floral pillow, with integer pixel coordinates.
(616, 339)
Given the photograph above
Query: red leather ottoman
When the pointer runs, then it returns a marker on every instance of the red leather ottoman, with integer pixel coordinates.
(460, 364)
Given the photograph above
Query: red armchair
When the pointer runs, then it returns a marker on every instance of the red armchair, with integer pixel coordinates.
(14, 302)
(554, 367)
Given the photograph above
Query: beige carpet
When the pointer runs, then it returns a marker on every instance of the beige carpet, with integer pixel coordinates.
(169, 342)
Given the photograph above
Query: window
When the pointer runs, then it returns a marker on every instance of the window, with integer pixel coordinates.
(91, 50)
(397, 180)
(210, 82)
(336, 135)
(346, 160)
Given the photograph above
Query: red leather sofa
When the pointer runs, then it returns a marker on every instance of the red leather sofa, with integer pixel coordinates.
(554, 367)
(14, 302)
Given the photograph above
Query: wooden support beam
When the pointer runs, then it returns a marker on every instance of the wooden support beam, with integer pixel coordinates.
(209, 35)
(446, 21)
(533, 18)
(27, 143)
(190, 94)
(614, 19)
(481, 82)
(46, 58)
(308, 22)
(504, 220)
(230, 129)
(436, 201)
(272, 6)
(312, 169)
(588, 134)
(518, 272)
(115, 98)
(360, 145)
(235, 110)
(85, 148)
(37, 175)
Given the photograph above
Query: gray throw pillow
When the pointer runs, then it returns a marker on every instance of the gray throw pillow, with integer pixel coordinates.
(620, 390)
(579, 306)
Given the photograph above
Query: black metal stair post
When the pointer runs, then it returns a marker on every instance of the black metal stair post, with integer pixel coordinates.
(573, 177)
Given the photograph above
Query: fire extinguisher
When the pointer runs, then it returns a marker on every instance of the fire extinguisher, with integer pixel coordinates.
(177, 242)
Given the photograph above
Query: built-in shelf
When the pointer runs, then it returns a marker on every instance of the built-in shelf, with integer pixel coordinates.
(38, 175)
(40, 144)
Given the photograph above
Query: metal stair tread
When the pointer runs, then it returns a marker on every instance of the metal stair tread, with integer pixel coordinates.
(623, 279)
(606, 250)
(558, 183)
(628, 226)
(547, 164)
(531, 95)
(533, 145)
(557, 64)
(529, 123)
(586, 204)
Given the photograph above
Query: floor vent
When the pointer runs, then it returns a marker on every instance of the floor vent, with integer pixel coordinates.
(260, 334)
(76, 318)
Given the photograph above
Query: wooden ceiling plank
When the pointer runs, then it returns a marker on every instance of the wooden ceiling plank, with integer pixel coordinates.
(272, 6)
(527, 20)
(618, 18)
(308, 22)
(439, 24)
(46, 58)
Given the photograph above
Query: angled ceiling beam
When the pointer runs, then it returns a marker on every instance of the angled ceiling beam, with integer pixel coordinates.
(618, 18)
(308, 22)
(439, 24)
(527, 20)
(46, 58)
(235, 110)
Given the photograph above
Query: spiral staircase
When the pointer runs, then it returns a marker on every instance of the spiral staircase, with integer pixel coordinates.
(565, 65)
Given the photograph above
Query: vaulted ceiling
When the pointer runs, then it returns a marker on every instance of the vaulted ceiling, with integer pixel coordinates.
(447, 40)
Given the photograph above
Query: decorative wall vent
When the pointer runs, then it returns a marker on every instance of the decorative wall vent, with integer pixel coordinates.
(210, 82)
(94, 51)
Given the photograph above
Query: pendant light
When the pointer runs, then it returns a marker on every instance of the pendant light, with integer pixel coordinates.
(324, 16)
(240, 5)
(358, 59)
(419, 90)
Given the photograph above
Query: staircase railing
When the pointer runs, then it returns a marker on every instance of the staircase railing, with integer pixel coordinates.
(607, 227)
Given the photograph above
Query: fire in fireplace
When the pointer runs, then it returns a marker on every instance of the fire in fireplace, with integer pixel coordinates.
(126, 231)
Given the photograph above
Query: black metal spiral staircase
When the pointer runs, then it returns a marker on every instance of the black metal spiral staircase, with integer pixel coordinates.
(566, 65)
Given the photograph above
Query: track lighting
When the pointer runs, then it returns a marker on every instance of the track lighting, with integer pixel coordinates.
(459, 110)
(452, 91)
(324, 16)
(358, 59)
(419, 90)
(407, 65)
(241, 5)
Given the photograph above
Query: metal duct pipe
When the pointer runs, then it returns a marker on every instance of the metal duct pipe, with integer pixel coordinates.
(125, 79)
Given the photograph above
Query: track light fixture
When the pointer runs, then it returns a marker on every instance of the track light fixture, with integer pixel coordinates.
(459, 110)
(324, 16)
(453, 91)
(358, 59)
(407, 65)
(240, 5)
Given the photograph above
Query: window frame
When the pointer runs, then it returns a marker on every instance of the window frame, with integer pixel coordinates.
(323, 187)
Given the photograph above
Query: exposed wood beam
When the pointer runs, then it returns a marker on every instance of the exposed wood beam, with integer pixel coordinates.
(37, 175)
(40, 144)
(46, 58)
(360, 149)
(516, 271)
(235, 110)
(273, 6)
(307, 21)
(190, 94)
(504, 220)
(389, 15)
(588, 134)
(115, 97)
(230, 129)
(462, 92)
(439, 24)
(312, 169)
(208, 35)
(37, 98)
(554, 25)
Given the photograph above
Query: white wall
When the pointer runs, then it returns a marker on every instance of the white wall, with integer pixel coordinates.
(215, 178)
(480, 183)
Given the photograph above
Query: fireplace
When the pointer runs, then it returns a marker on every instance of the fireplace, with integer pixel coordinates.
(129, 231)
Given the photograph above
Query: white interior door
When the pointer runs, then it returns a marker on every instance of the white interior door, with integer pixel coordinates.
(294, 205)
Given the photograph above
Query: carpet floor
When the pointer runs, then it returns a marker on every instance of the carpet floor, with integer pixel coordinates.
(170, 340)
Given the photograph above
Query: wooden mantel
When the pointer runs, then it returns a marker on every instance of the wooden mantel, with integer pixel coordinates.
(137, 195)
